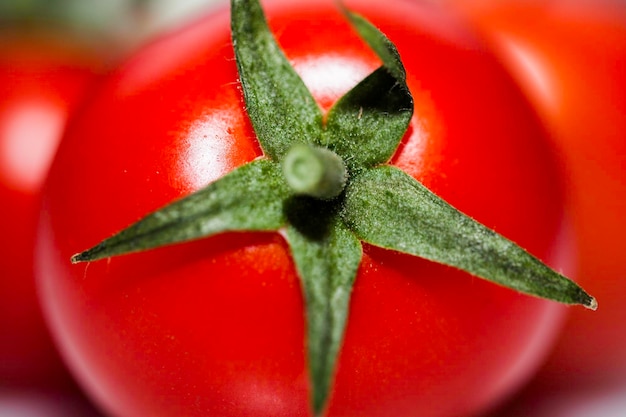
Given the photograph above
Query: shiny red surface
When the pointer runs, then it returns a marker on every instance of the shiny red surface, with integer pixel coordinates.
(216, 327)
(40, 82)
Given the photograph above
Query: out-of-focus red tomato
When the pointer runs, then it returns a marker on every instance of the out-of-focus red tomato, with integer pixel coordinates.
(40, 82)
(570, 59)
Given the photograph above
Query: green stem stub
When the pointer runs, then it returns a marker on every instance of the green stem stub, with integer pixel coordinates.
(314, 171)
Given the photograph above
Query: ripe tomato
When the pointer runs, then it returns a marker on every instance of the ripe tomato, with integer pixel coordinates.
(40, 82)
(569, 58)
(216, 326)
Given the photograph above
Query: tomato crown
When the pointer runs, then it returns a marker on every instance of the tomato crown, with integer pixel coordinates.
(326, 185)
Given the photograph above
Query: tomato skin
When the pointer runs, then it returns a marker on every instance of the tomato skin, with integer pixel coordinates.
(40, 83)
(216, 326)
(569, 58)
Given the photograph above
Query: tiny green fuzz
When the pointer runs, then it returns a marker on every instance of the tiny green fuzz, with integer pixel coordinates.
(326, 185)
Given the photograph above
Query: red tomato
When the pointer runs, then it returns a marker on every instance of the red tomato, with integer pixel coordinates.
(40, 82)
(570, 59)
(216, 326)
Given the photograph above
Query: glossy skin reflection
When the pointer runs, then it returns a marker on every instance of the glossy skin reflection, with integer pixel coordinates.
(216, 327)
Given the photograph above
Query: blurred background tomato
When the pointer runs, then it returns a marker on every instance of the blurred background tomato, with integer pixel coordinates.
(569, 57)
(51, 54)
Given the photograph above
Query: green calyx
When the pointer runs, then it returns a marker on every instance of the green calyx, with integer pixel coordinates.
(327, 186)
